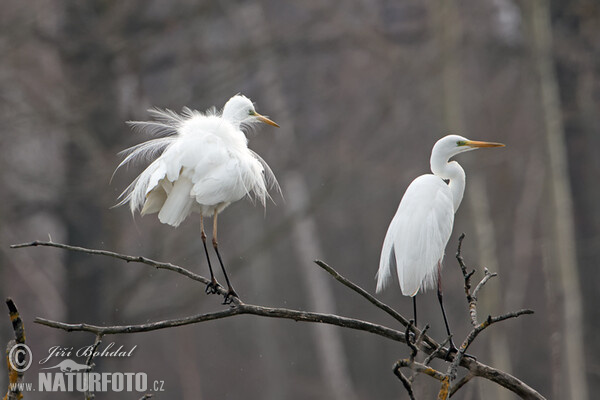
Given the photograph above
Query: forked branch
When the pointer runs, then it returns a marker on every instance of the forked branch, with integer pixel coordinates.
(449, 385)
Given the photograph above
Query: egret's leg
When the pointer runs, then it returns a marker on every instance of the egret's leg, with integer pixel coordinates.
(415, 308)
(230, 291)
(212, 286)
(412, 335)
(453, 348)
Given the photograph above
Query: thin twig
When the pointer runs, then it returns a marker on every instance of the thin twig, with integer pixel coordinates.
(137, 259)
(460, 383)
(487, 276)
(436, 352)
(472, 298)
(92, 354)
(405, 381)
(453, 368)
(420, 368)
(461, 263)
(422, 335)
(377, 303)
(459, 257)
(88, 395)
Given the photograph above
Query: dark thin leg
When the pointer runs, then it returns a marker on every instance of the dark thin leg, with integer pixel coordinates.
(414, 321)
(453, 348)
(212, 286)
(230, 292)
(415, 308)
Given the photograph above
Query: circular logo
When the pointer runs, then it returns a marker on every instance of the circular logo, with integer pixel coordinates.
(20, 357)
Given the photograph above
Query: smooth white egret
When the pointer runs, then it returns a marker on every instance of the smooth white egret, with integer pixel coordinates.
(417, 236)
(204, 165)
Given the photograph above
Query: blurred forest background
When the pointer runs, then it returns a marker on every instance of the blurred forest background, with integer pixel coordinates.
(362, 90)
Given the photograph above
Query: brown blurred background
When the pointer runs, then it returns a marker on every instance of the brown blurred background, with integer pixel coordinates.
(362, 89)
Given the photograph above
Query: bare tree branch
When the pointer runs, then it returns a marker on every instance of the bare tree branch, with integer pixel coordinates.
(14, 377)
(87, 394)
(237, 310)
(453, 368)
(377, 303)
(137, 259)
(405, 381)
(433, 349)
(487, 276)
(436, 352)
(475, 368)
(461, 382)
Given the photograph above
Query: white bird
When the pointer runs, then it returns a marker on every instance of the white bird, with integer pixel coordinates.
(417, 236)
(205, 165)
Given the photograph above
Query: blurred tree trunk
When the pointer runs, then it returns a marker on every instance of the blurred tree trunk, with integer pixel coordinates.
(320, 297)
(561, 256)
(447, 19)
(86, 60)
(576, 27)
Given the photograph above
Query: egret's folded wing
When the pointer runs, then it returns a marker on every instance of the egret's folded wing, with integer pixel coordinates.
(418, 234)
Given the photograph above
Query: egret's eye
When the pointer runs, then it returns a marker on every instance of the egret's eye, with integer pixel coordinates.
(251, 112)
(461, 143)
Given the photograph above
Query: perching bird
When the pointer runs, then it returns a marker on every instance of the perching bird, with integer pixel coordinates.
(205, 165)
(417, 236)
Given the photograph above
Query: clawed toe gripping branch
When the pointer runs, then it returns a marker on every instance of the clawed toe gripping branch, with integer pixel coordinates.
(418, 341)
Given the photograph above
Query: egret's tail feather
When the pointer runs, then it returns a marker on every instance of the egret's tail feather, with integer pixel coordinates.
(384, 274)
(178, 204)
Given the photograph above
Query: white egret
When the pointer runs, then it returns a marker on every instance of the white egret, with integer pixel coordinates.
(205, 165)
(417, 236)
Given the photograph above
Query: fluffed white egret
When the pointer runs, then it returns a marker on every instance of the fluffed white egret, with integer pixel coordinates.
(418, 234)
(205, 165)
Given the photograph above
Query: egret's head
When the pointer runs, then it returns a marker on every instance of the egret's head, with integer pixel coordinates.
(240, 110)
(452, 145)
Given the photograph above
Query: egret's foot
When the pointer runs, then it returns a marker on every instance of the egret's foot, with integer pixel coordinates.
(212, 287)
(453, 351)
(230, 295)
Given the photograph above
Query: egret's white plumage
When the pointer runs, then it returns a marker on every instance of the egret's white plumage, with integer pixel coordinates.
(418, 234)
(205, 163)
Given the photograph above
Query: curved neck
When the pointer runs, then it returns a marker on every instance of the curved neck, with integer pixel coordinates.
(454, 172)
(232, 117)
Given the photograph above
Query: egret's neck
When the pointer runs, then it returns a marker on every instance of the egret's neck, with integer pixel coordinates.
(232, 117)
(454, 172)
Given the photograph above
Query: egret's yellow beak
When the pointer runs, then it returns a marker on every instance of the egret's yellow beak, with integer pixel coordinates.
(266, 120)
(476, 144)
